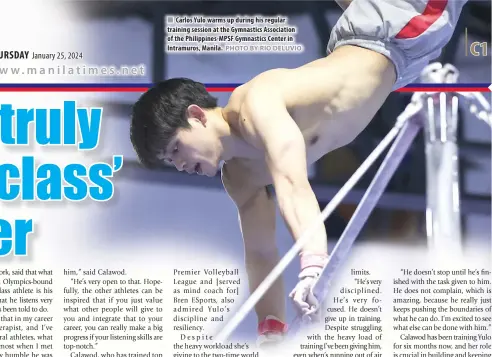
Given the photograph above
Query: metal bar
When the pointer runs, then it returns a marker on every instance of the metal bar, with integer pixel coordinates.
(341, 251)
(441, 150)
(308, 234)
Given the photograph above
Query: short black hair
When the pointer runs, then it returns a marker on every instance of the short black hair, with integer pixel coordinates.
(160, 112)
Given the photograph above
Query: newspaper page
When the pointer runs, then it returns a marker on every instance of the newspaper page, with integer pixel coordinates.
(187, 179)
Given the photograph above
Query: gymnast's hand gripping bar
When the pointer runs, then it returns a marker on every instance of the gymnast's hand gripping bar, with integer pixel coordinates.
(366, 206)
(414, 107)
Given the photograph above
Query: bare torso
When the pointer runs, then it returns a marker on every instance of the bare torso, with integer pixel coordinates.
(310, 101)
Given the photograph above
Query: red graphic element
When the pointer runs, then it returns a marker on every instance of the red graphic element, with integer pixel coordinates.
(420, 23)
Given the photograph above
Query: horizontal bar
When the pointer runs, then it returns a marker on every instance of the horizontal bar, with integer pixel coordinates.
(324, 192)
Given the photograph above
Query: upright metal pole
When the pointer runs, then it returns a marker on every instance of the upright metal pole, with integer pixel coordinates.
(480, 107)
(442, 175)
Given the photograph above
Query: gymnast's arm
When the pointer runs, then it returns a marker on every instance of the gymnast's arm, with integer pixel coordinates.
(256, 208)
(273, 129)
(257, 221)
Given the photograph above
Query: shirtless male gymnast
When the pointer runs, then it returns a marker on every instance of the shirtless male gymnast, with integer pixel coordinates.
(283, 120)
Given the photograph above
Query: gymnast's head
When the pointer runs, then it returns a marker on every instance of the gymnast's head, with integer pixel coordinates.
(177, 121)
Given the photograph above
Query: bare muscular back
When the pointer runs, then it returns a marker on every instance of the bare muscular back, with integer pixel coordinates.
(308, 94)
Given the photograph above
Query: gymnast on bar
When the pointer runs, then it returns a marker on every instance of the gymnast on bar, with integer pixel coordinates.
(283, 120)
